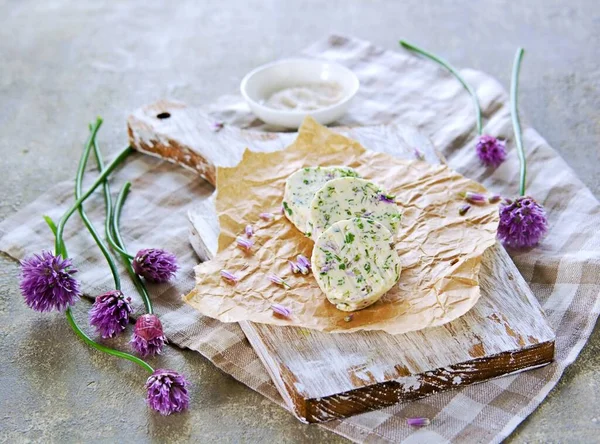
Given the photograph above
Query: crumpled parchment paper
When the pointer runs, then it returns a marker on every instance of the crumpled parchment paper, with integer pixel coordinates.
(440, 251)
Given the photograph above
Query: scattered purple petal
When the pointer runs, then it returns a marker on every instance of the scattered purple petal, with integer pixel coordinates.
(523, 223)
(229, 276)
(110, 313)
(475, 198)
(47, 283)
(495, 198)
(217, 126)
(325, 268)
(348, 318)
(280, 310)
(418, 154)
(155, 265)
(387, 198)
(491, 151)
(418, 422)
(277, 280)
(249, 230)
(294, 267)
(246, 244)
(304, 264)
(463, 209)
(148, 337)
(167, 392)
(268, 216)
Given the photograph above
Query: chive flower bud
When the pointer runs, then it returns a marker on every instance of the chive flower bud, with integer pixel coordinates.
(155, 265)
(148, 337)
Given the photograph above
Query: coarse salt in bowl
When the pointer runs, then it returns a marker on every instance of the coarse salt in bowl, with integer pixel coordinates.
(283, 93)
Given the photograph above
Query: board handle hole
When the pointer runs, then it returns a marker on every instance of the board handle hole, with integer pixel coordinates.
(163, 116)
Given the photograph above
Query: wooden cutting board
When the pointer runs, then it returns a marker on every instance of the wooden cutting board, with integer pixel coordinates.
(326, 376)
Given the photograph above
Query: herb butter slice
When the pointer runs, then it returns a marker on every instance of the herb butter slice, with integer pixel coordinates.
(300, 189)
(349, 197)
(354, 263)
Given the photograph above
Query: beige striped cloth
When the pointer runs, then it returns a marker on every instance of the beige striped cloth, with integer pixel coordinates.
(563, 272)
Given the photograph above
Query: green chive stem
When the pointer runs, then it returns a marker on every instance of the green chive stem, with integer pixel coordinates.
(82, 214)
(50, 223)
(65, 217)
(115, 246)
(514, 113)
(89, 341)
(452, 70)
(118, 240)
(79, 332)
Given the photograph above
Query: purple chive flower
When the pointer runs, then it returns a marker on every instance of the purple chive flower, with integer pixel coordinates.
(229, 276)
(387, 198)
(418, 422)
(463, 209)
(294, 267)
(268, 216)
(523, 222)
(280, 310)
(167, 392)
(418, 154)
(246, 244)
(249, 230)
(303, 264)
(110, 313)
(348, 318)
(148, 337)
(475, 198)
(277, 280)
(491, 151)
(495, 198)
(47, 283)
(217, 126)
(155, 265)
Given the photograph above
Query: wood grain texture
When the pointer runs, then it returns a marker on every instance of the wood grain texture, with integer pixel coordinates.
(326, 376)
(188, 137)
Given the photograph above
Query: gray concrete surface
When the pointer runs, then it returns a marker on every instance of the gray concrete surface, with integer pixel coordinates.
(64, 62)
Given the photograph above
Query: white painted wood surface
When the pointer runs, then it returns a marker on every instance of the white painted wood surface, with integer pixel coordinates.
(325, 376)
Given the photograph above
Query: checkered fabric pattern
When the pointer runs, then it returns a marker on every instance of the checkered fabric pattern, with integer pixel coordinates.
(563, 272)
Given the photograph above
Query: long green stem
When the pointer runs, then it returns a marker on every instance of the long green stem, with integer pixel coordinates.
(107, 202)
(86, 221)
(118, 240)
(455, 73)
(115, 245)
(63, 220)
(514, 113)
(89, 341)
(60, 248)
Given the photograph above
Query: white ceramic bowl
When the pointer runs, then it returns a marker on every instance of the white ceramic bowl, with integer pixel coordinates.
(258, 85)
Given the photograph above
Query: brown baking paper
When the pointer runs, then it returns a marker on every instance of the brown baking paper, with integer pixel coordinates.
(440, 251)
